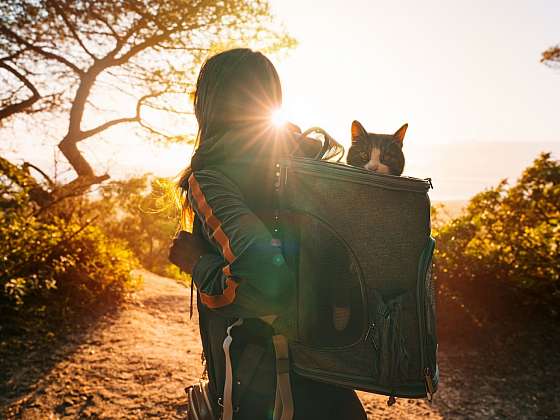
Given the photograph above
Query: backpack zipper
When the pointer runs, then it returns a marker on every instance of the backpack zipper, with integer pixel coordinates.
(357, 175)
(425, 370)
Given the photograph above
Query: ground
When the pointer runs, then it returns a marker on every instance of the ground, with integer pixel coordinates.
(135, 361)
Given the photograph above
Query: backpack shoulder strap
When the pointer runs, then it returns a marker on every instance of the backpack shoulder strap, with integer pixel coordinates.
(284, 403)
(227, 403)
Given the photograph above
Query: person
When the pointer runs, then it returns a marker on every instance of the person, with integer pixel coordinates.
(245, 288)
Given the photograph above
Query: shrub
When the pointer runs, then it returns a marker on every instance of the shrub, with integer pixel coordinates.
(141, 212)
(53, 258)
(508, 235)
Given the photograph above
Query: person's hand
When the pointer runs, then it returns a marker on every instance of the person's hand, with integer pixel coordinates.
(186, 250)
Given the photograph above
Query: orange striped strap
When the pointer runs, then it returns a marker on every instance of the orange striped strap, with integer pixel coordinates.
(227, 297)
(215, 226)
(210, 219)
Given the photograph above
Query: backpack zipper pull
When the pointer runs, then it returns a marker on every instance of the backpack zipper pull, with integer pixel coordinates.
(430, 182)
(369, 334)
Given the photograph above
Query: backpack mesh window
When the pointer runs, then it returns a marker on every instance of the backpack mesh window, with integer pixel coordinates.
(361, 247)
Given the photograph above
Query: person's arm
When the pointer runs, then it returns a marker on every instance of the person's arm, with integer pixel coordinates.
(249, 277)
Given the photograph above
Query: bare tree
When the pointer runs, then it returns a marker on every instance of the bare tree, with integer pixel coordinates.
(88, 52)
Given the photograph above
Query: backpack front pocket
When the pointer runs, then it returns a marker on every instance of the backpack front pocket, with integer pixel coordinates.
(388, 340)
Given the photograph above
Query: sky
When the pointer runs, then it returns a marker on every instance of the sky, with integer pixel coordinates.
(465, 76)
(456, 71)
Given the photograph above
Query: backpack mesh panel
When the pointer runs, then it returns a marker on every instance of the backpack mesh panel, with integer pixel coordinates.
(358, 243)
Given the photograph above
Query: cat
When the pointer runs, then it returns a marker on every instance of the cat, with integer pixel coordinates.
(381, 153)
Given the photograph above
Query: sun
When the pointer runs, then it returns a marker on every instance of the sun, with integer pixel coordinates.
(278, 118)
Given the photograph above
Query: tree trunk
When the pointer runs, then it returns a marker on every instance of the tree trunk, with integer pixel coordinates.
(69, 144)
(69, 148)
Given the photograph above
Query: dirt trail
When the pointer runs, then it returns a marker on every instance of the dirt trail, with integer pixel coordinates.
(136, 362)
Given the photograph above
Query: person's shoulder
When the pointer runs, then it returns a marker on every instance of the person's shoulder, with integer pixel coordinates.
(211, 177)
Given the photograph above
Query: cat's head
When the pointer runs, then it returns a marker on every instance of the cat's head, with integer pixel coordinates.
(377, 152)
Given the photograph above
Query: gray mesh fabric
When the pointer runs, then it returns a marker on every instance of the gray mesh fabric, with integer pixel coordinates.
(361, 241)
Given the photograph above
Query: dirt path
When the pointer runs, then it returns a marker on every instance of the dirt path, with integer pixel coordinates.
(136, 362)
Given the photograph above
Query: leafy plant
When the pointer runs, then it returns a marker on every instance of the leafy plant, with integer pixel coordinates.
(141, 212)
(507, 236)
(55, 258)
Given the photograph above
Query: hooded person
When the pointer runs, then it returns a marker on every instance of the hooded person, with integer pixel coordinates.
(245, 288)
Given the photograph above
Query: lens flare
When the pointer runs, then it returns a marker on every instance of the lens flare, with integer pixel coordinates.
(278, 118)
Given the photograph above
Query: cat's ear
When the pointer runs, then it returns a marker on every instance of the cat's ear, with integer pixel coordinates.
(358, 131)
(399, 134)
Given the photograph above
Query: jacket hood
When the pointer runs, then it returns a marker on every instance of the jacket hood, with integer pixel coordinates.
(251, 144)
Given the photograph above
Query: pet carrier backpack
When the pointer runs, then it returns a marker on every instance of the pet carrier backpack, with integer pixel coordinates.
(361, 241)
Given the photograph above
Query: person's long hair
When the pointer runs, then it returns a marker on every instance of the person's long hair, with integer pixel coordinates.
(235, 88)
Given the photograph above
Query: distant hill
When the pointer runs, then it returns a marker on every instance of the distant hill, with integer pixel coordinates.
(461, 170)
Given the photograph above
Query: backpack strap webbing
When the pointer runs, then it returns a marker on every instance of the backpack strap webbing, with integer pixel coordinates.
(284, 403)
(227, 413)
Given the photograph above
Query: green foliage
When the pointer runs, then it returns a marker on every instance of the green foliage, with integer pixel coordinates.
(142, 213)
(54, 258)
(175, 272)
(508, 234)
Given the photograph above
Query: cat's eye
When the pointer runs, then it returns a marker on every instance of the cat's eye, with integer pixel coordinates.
(364, 156)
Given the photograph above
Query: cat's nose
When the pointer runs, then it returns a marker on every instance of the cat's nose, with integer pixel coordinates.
(370, 166)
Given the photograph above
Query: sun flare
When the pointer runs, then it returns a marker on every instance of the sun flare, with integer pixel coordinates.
(278, 117)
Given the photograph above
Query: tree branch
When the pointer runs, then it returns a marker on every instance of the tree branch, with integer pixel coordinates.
(102, 127)
(47, 54)
(105, 22)
(72, 28)
(13, 56)
(68, 145)
(137, 118)
(121, 41)
(20, 106)
(27, 165)
(21, 77)
(135, 49)
(77, 187)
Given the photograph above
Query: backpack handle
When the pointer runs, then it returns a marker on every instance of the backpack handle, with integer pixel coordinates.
(330, 149)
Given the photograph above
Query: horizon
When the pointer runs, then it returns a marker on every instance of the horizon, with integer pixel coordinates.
(458, 170)
(478, 165)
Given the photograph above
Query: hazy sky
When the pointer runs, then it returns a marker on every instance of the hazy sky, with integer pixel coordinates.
(455, 70)
(458, 72)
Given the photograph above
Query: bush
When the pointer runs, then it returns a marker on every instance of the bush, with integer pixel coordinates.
(508, 235)
(142, 213)
(52, 257)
